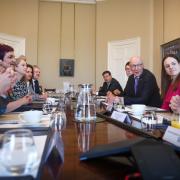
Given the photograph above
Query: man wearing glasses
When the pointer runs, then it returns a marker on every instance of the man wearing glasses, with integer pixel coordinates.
(141, 87)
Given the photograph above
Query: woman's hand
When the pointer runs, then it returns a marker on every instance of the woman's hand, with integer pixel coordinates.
(43, 96)
(26, 100)
(175, 103)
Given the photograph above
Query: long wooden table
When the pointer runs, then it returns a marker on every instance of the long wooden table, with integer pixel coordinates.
(80, 137)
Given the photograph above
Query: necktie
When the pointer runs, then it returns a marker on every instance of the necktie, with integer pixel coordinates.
(136, 80)
(108, 84)
(36, 87)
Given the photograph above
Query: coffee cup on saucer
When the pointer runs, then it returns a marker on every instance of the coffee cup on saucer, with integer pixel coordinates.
(138, 109)
(31, 116)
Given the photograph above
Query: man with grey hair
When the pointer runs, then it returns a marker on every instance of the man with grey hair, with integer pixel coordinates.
(141, 87)
(36, 76)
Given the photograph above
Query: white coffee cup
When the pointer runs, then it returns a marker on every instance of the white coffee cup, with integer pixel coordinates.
(51, 101)
(31, 116)
(138, 109)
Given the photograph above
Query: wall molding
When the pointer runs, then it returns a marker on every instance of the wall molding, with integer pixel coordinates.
(18, 43)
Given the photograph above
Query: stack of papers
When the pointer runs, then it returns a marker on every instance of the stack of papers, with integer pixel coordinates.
(16, 123)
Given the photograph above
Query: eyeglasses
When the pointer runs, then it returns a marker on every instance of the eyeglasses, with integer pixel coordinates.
(133, 66)
(11, 57)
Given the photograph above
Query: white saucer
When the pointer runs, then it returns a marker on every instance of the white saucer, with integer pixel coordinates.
(43, 119)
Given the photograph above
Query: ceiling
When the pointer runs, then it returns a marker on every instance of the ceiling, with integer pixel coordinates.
(75, 1)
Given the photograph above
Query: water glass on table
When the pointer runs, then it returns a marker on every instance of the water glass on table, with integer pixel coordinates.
(58, 120)
(48, 108)
(85, 112)
(175, 120)
(19, 154)
(118, 103)
(149, 121)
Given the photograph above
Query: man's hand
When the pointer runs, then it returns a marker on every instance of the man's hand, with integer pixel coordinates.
(116, 92)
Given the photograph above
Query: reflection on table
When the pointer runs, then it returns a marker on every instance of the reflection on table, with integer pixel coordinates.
(80, 137)
(85, 135)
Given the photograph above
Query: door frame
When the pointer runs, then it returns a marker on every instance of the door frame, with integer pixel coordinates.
(136, 40)
(18, 43)
(119, 43)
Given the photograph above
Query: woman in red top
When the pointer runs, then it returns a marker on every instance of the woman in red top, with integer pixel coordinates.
(170, 79)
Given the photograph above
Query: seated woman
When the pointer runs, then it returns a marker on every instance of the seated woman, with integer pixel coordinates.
(170, 79)
(28, 78)
(7, 81)
(7, 57)
(20, 89)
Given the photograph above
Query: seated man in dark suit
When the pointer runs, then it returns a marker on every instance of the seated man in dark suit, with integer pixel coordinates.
(110, 84)
(141, 87)
(36, 75)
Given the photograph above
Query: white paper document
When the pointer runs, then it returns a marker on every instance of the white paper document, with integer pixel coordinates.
(172, 135)
(40, 144)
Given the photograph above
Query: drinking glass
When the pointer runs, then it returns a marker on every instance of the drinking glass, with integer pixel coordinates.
(58, 120)
(72, 91)
(175, 120)
(62, 101)
(148, 121)
(86, 112)
(118, 103)
(48, 108)
(18, 153)
(86, 109)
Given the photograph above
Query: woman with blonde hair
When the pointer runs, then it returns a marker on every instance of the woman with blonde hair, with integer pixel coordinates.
(20, 89)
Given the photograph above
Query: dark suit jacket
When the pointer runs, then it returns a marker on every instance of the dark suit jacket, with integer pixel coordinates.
(3, 104)
(36, 87)
(113, 85)
(147, 90)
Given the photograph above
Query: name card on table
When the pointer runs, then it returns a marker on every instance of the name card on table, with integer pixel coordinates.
(122, 117)
(57, 143)
(172, 135)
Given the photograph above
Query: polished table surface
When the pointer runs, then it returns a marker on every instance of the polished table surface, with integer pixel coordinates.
(80, 137)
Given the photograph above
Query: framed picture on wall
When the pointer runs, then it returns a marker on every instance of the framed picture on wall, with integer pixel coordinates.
(172, 47)
(66, 67)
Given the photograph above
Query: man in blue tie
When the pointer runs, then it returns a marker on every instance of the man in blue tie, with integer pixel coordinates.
(141, 87)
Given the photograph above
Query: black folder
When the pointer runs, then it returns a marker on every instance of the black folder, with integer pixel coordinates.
(156, 160)
(117, 148)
